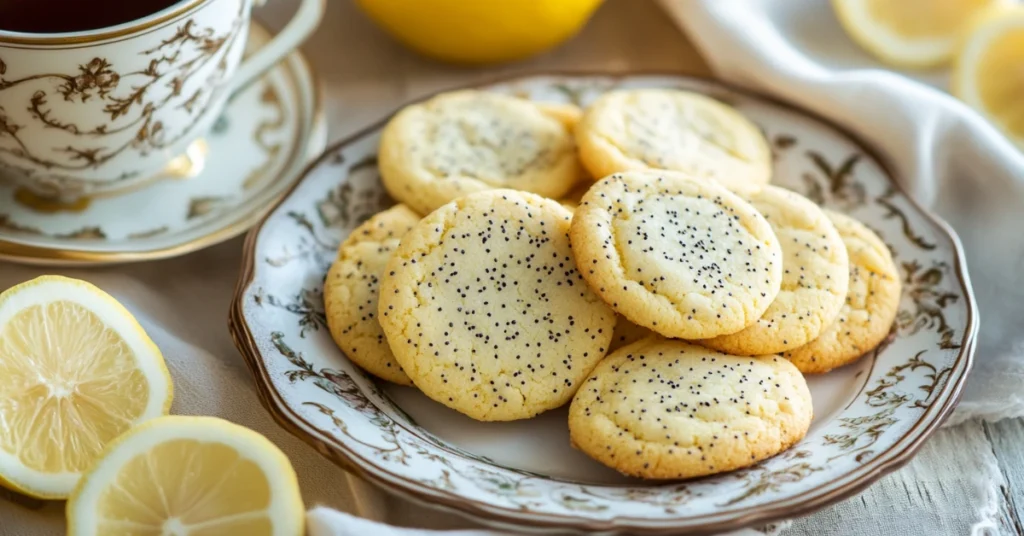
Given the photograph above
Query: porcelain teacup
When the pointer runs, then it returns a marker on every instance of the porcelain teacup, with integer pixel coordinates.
(102, 110)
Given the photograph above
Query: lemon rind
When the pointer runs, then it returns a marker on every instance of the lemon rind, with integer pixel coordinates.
(984, 30)
(890, 47)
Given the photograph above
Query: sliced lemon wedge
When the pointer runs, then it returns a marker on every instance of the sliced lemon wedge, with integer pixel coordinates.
(188, 476)
(76, 371)
(989, 69)
(909, 33)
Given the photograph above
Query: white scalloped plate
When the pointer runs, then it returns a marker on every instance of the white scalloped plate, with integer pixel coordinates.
(870, 417)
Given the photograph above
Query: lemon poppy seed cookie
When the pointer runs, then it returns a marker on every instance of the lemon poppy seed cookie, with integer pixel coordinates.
(662, 409)
(485, 310)
(815, 275)
(872, 302)
(351, 292)
(683, 257)
(671, 129)
(467, 141)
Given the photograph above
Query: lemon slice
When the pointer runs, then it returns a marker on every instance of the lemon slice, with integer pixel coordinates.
(909, 33)
(989, 69)
(76, 371)
(194, 476)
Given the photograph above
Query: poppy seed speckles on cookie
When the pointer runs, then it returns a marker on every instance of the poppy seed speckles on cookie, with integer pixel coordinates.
(870, 306)
(664, 409)
(467, 141)
(655, 128)
(815, 276)
(682, 257)
(351, 292)
(486, 311)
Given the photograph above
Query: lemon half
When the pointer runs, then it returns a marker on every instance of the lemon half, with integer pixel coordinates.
(909, 33)
(76, 371)
(989, 69)
(188, 476)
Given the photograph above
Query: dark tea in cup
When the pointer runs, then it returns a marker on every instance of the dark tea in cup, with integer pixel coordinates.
(60, 16)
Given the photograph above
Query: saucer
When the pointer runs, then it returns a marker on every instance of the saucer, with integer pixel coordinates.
(224, 184)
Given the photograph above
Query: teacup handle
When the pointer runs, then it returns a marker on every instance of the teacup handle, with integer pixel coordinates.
(303, 23)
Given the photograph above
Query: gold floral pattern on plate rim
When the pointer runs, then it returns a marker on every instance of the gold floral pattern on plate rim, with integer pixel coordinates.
(937, 405)
(29, 254)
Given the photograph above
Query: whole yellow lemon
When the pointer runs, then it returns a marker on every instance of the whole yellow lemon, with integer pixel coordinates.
(480, 31)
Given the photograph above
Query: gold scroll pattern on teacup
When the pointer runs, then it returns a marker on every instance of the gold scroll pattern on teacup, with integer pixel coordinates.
(171, 64)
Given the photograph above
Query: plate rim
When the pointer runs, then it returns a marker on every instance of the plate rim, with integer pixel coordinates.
(894, 458)
(316, 146)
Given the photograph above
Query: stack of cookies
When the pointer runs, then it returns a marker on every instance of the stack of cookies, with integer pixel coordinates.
(676, 301)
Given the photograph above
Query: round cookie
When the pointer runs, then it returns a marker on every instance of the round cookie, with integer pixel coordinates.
(467, 141)
(485, 310)
(683, 257)
(351, 292)
(815, 271)
(872, 302)
(671, 129)
(664, 409)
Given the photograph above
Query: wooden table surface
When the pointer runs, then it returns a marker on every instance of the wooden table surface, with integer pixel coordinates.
(968, 476)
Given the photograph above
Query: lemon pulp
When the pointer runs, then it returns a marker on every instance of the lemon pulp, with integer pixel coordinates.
(922, 19)
(188, 476)
(192, 485)
(1001, 81)
(910, 33)
(76, 371)
(989, 70)
(68, 385)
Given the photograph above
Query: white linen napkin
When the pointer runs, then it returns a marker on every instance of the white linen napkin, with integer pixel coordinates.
(946, 154)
